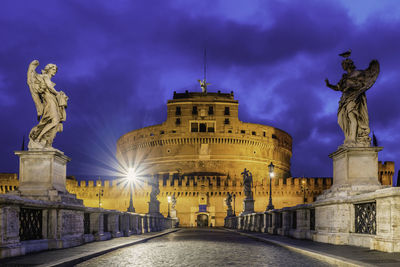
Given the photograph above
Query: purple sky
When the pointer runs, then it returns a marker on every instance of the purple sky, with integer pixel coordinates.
(120, 61)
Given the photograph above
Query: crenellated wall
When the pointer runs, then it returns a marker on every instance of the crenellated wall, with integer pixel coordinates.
(189, 191)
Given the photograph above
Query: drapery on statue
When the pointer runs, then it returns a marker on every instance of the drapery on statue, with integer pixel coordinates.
(50, 106)
(228, 201)
(353, 112)
(173, 201)
(247, 183)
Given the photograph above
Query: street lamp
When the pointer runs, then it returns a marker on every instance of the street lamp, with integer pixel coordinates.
(271, 174)
(100, 192)
(234, 205)
(131, 178)
(169, 201)
(304, 188)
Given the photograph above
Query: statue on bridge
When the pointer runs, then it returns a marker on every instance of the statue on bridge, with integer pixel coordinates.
(247, 183)
(228, 202)
(50, 106)
(353, 113)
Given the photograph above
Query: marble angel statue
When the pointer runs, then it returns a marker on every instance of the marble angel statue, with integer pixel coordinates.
(50, 106)
(352, 112)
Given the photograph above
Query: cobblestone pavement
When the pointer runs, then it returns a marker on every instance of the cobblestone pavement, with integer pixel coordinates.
(203, 247)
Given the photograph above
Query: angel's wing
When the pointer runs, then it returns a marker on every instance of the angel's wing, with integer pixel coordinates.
(371, 73)
(34, 86)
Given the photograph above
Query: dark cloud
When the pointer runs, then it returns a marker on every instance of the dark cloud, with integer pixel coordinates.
(119, 63)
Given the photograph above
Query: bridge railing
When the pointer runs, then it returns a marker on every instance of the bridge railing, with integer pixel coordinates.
(28, 225)
(369, 220)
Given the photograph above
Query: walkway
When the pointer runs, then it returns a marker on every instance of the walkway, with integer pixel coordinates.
(334, 254)
(74, 255)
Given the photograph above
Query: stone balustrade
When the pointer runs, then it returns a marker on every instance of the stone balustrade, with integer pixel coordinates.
(370, 220)
(28, 225)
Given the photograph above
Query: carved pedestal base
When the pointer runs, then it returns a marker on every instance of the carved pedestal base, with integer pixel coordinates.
(248, 206)
(154, 208)
(173, 213)
(355, 171)
(42, 175)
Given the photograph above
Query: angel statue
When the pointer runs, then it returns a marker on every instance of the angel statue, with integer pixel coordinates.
(203, 85)
(247, 183)
(353, 113)
(50, 106)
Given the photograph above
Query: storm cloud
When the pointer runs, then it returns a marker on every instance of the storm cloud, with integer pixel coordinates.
(120, 61)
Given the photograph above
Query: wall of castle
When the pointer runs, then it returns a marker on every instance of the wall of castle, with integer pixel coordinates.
(191, 192)
(224, 144)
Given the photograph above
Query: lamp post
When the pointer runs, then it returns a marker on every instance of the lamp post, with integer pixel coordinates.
(271, 174)
(131, 178)
(234, 205)
(100, 192)
(304, 188)
(169, 201)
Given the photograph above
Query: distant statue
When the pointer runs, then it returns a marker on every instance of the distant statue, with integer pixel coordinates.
(353, 112)
(50, 106)
(173, 201)
(155, 190)
(228, 201)
(203, 85)
(247, 183)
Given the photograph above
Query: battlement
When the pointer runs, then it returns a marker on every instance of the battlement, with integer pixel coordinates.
(386, 172)
(196, 96)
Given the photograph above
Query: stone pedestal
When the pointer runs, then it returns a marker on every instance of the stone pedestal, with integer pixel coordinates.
(42, 175)
(248, 206)
(355, 171)
(173, 213)
(154, 208)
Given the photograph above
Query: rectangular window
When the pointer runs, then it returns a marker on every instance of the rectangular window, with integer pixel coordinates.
(264, 134)
(178, 111)
(162, 132)
(194, 110)
(210, 127)
(274, 136)
(242, 131)
(178, 121)
(227, 111)
(253, 133)
(226, 121)
(210, 110)
(203, 127)
(194, 127)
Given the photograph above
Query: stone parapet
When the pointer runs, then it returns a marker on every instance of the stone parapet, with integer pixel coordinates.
(370, 220)
(30, 225)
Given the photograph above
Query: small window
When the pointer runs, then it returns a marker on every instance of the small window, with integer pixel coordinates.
(226, 121)
(151, 134)
(274, 136)
(264, 134)
(227, 111)
(229, 131)
(194, 127)
(210, 110)
(203, 127)
(242, 131)
(178, 121)
(162, 132)
(253, 133)
(194, 110)
(178, 111)
(173, 131)
(210, 127)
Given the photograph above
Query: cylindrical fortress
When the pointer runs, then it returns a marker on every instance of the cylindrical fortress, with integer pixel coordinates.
(203, 136)
(199, 153)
